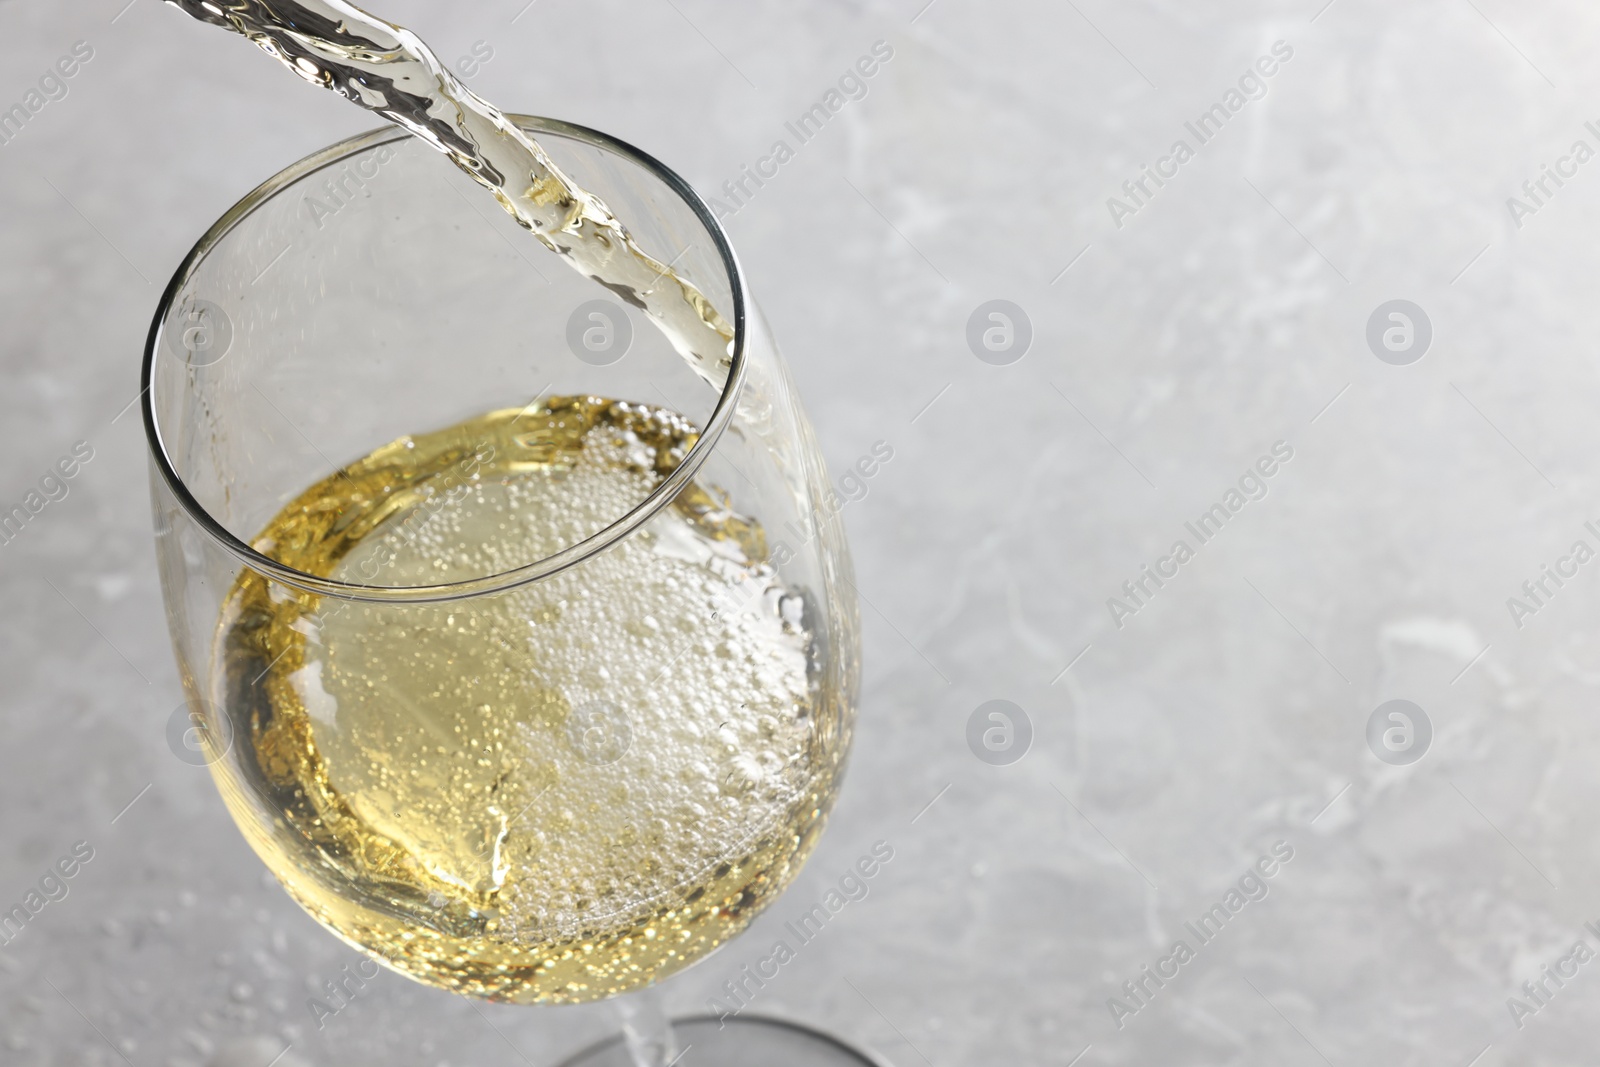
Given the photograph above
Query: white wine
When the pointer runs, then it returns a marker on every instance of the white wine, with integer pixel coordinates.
(557, 793)
(571, 788)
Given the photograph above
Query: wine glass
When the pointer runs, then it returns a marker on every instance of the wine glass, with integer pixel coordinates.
(525, 658)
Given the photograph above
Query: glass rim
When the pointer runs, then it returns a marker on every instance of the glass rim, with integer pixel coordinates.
(573, 554)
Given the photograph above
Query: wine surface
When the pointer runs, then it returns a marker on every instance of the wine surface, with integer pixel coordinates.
(557, 793)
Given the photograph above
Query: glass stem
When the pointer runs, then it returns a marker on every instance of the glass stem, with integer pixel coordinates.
(647, 1029)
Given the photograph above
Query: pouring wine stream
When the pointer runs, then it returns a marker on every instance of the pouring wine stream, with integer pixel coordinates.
(389, 70)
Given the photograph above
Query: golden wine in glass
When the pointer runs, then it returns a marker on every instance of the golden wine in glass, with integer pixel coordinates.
(522, 653)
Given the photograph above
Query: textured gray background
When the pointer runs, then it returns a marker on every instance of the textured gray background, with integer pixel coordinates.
(1227, 715)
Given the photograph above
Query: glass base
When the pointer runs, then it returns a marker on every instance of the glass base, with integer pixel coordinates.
(743, 1041)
